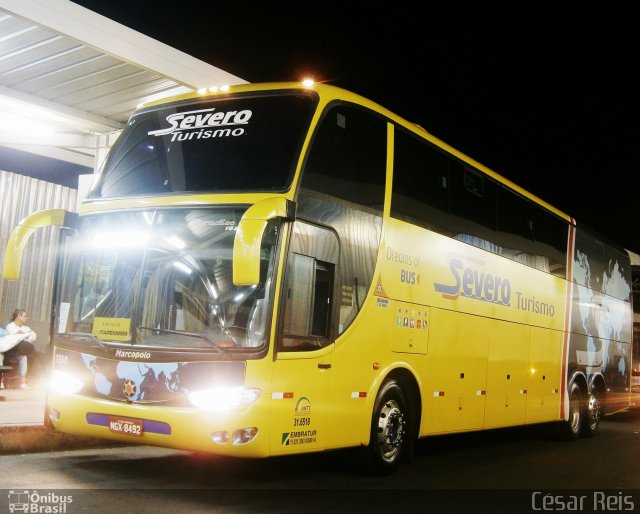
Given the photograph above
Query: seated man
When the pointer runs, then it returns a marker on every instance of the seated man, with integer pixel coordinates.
(22, 343)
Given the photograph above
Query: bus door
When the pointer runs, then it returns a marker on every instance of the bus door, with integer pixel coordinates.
(301, 410)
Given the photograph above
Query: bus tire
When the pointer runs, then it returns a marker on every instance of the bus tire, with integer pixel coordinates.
(593, 412)
(572, 428)
(390, 437)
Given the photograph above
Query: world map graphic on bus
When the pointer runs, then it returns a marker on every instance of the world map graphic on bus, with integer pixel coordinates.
(600, 316)
(139, 381)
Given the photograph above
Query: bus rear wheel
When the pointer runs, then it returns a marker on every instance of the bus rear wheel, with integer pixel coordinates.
(572, 428)
(390, 437)
(594, 413)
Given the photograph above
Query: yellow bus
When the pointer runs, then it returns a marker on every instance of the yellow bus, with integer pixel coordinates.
(282, 268)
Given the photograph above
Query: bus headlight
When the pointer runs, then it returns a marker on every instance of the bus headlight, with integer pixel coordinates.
(224, 398)
(64, 383)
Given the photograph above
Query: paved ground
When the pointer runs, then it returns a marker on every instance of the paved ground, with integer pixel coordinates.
(22, 428)
(22, 408)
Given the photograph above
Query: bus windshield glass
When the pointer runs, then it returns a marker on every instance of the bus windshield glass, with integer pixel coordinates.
(163, 278)
(214, 144)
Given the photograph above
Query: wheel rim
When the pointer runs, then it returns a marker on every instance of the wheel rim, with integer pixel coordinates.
(594, 410)
(391, 430)
(574, 412)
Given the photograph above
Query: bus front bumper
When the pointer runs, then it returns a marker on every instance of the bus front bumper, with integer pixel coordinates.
(238, 433)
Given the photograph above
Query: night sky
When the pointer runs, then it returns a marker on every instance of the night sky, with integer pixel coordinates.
(546, 98)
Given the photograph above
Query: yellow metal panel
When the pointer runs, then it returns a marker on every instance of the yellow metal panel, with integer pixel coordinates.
(337, 384)
(410, 328)
(361, 359)
(422, 267)
(507, 375)
(457, 371)
(545, 372)
(300, 410)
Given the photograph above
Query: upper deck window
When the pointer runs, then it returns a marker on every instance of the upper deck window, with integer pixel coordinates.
(224, 144)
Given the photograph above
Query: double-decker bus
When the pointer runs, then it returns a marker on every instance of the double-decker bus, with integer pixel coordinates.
(285, 268)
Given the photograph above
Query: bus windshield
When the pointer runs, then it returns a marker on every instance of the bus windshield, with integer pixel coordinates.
(163, 278)
(221, 144)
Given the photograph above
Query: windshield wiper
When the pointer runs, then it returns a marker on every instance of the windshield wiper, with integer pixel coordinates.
(181, 333)
(100, 343)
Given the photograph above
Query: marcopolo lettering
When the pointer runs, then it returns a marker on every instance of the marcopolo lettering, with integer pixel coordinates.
(474, 283)
(204, 118)
(127, 354)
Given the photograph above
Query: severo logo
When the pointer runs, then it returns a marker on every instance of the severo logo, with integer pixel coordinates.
(201, 119)
(472, 282)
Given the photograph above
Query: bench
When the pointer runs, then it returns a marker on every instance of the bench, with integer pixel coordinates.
(3, 370)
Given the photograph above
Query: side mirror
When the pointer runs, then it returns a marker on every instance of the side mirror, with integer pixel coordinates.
(248, 238)
(21, 234)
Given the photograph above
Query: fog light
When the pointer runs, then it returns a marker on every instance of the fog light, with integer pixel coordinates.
(244, 435)
(54, 414)
(220, 437)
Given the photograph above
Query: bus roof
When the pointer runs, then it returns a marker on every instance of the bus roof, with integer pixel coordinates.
(329, 93)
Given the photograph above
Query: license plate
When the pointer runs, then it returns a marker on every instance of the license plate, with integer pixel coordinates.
(126, 426)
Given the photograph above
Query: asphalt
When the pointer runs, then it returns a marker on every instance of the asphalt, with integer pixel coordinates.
(23, 428)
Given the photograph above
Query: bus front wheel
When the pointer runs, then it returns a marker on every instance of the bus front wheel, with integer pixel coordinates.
(390, 437)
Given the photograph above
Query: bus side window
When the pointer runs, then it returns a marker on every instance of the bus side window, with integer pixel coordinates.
(420, 183)
(473, 206)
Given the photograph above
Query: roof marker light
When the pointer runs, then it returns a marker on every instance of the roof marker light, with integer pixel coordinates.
(224, 88)
(202, 90)
(213, 89)
(308, 82)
